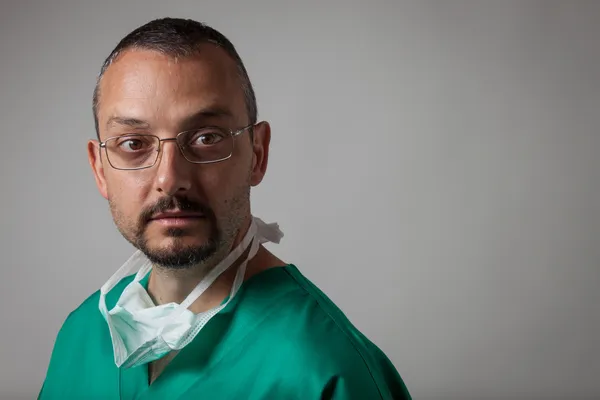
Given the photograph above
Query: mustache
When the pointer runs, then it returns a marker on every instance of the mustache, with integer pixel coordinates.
(165, 204)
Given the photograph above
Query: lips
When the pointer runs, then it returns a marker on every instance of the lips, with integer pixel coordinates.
(177, 214)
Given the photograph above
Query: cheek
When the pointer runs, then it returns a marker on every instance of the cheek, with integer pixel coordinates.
(127, 192)
(222, 183)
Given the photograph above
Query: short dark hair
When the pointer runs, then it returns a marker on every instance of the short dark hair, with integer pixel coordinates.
(178, 37)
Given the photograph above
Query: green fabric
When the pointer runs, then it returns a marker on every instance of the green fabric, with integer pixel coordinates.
(279, 338)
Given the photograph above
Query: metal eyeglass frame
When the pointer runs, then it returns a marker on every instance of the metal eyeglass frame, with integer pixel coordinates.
(233, 134)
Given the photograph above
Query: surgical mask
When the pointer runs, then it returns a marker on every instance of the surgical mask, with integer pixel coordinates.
(142, 332)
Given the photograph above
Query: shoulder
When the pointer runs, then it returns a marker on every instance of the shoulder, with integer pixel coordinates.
(84, 325)
(87, 310)
(87, 313)
(82, 348)
(312, 319)
(305, 326)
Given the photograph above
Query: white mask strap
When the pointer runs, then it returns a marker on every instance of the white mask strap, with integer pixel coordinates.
(217, 271)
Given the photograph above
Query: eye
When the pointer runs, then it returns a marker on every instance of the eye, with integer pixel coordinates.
(206, 138)
(133, 144)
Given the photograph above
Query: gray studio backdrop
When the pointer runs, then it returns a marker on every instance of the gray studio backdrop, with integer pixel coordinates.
(435, 167)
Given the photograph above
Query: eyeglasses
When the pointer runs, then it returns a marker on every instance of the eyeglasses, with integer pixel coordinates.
(200, 146)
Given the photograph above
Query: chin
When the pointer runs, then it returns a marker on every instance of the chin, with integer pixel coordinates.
(180, 257)
(175, 243)
(179, 252)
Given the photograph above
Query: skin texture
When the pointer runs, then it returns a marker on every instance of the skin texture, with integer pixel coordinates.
(163, 93)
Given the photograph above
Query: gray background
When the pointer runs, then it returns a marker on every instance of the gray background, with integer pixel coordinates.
(450, 207)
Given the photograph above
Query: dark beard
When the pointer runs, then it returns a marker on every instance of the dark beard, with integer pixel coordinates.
(178, 256)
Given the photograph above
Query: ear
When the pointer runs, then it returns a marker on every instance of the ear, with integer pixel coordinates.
(95, 160)
(260, 148)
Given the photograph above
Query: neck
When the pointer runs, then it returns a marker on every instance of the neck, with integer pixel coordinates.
(173, 286)
(167, 286)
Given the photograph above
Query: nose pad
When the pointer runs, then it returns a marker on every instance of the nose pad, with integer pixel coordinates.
(161, 149)
(173, 174)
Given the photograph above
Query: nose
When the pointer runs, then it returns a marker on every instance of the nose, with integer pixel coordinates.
(174, 172)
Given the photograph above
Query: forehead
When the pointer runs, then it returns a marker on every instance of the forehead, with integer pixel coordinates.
(162, 90)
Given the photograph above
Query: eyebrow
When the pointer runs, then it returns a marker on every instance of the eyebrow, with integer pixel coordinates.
(200, 117)
(129, 122)
(189, 122)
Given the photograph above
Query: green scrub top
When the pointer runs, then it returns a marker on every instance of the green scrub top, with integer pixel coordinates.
(279, 338)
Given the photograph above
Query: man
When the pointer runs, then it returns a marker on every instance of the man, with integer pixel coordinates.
(202, 309)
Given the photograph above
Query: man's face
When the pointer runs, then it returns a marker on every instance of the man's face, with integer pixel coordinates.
(178, 213)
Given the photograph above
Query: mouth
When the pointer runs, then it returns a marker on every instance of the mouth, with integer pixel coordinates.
(177, 218)
(177, 214)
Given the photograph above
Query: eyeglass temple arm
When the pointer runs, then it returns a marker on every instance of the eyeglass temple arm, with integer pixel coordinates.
(239, 131)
